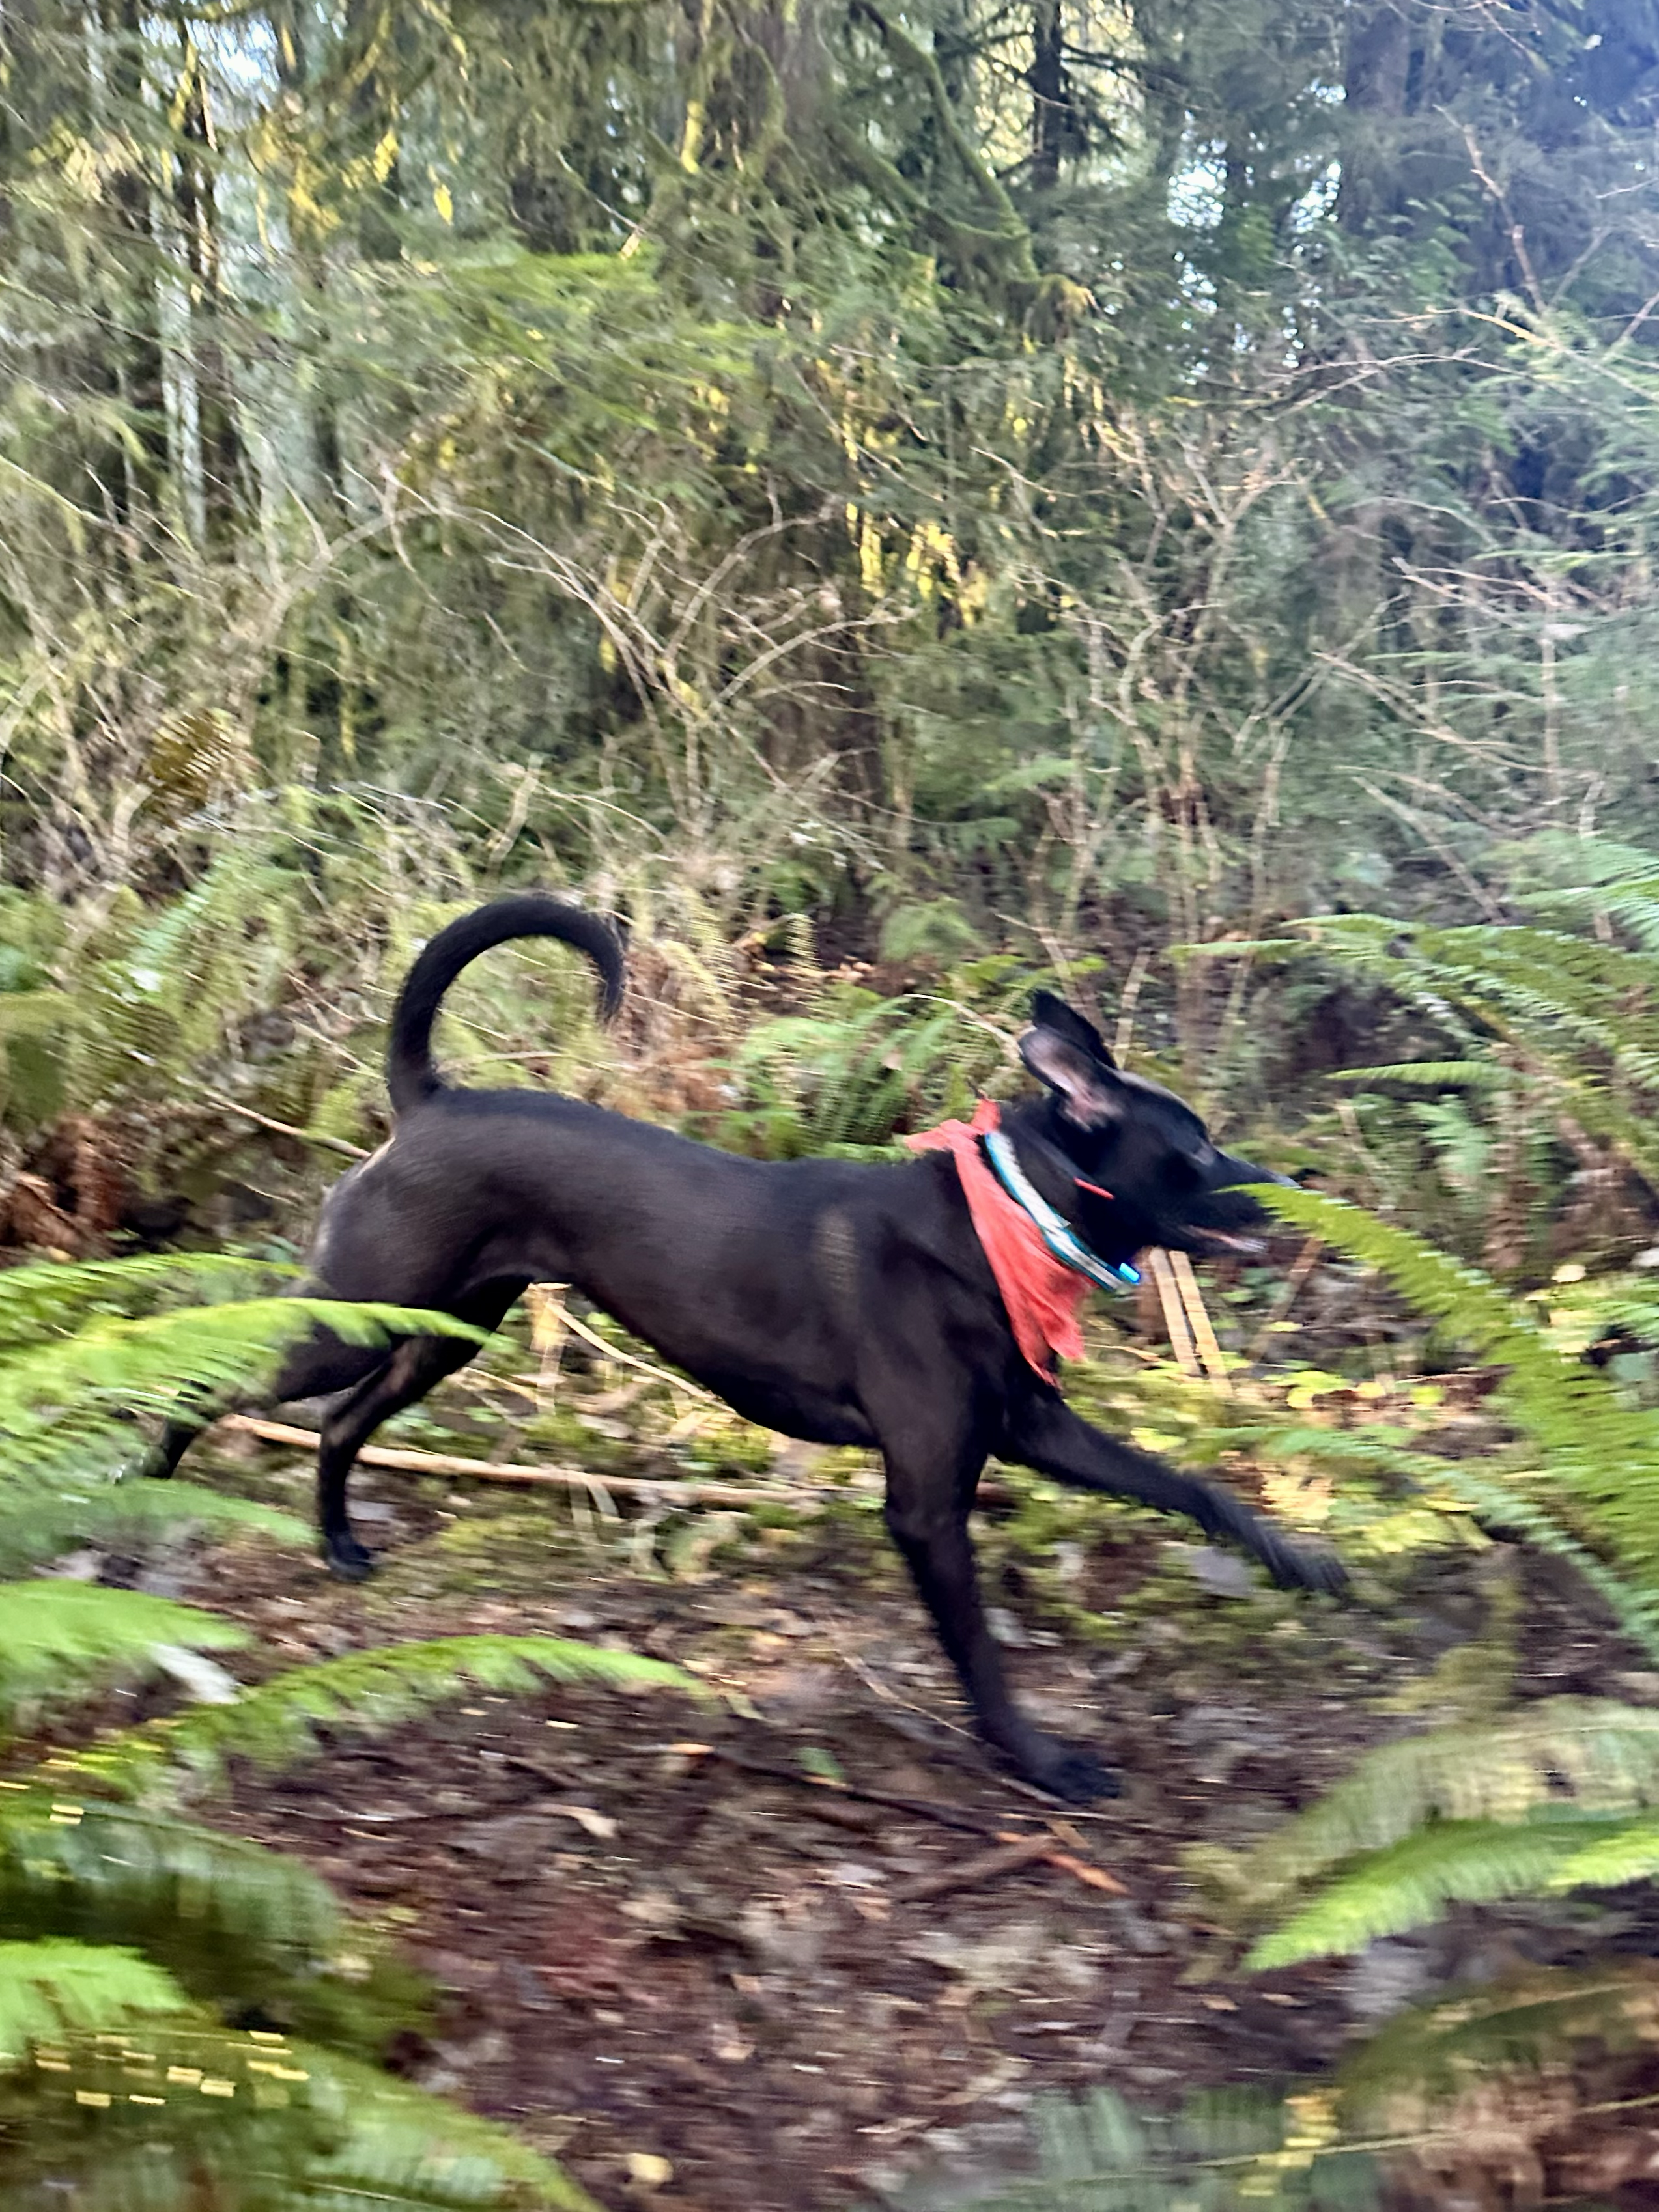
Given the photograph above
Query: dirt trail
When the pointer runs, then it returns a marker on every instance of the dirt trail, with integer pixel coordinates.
(691, 1977)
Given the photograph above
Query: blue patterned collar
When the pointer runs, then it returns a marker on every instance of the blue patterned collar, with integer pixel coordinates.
(1057, 1233)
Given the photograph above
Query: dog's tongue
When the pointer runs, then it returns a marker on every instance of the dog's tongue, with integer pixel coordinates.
(1251, 1247)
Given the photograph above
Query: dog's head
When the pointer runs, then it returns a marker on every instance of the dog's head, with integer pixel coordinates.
(1144, 1168)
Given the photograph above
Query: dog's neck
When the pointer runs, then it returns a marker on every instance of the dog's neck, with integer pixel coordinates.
(1053, 1176)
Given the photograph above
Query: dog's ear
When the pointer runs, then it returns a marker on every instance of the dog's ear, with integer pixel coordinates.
(1067, 1053)
(1052, 1013)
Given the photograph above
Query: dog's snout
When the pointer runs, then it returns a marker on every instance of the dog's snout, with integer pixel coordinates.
(1231, 1171)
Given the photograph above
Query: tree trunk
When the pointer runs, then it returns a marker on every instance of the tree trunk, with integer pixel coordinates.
(219, 441)
(137, 484)
(1052, 117)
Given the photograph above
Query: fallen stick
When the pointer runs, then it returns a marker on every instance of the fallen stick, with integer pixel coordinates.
(968, 1874)
(1012, 1851)
(664, 1488)
(287, 1128)
(1083, 1871)
(948, 1816)
(1198, 1317)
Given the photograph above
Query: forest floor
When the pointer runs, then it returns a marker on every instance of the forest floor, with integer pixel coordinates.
(669, 1955)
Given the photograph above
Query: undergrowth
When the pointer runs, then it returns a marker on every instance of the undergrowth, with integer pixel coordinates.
(186, 2017)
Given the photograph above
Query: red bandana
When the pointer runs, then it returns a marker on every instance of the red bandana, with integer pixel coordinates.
(1041, 1295)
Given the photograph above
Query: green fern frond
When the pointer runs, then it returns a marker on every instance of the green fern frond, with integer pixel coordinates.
(405, 2147)
(1523, 2020)
(1601, 1755)
(1411, 1883)
(65, 1404)
(48, 1990)
(45, 1298)
(276, 1724)
(1628, 1852)
(257, 2123)
(59, 1639)
(1505, 1510)
(72, 1862)
(1602, 1452)
(1633, 904)
(148, 1356)
(1437, 1074)
(40, 1522)
(1469, 1305)
(1224, 2151)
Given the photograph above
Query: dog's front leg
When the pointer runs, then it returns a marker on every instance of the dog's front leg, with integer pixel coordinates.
(1044, 1433)
(927, 1518)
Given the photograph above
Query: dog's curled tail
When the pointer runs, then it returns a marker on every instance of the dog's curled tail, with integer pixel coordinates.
(410, 1073)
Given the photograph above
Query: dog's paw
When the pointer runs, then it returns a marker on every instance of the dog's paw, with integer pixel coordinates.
(1069, 1772)
(348, 1560)
(1294, 1568)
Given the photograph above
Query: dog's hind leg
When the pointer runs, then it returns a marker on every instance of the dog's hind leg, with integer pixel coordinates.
(1043, 1433)
(318, 1365)
(417, 1363)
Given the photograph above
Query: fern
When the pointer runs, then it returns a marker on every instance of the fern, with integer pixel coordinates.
(135, 1911)
(1410, 1884)
(65, 1404)
(1549, 1797)
(1464, 1862)
(846, 1076)
(188, 2113)
(1569, 1020)
(84, 1864)
(166, 1000)
(46, 1298)
(39, 1521)
(1434, 1074)
(276, 1725)
(1554, 1796)
(1601, 1755)
(49, 1989)
(1517, 2025)
(1225, 2152)
(60, 1639)
(1602, 1454)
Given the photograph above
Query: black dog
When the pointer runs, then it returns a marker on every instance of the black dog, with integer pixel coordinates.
(839, 1302)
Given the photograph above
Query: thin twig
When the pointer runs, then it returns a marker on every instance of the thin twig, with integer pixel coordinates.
(948, 1816)
(1301, 1269)
(288, 1128)
(1012, 1851)
(633, 1359)
(968, 1874)
(668, 1489)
